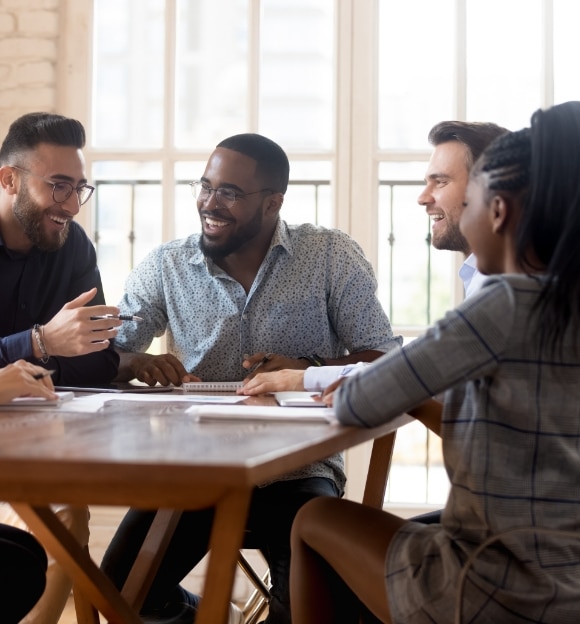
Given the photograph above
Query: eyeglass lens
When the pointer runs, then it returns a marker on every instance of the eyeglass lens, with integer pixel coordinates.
(203, 192)
(62, 191)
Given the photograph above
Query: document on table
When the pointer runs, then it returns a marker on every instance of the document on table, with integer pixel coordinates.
(209, 413)
(298, 399)
(95, 402)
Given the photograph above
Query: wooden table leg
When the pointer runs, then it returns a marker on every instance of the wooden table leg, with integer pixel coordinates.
(76, 562)
(226, 540)
(84, 610)
(150, 556)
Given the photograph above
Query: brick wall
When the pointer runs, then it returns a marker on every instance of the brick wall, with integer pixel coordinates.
(29, 52)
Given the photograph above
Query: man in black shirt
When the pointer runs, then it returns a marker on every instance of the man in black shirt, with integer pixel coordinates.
(50, 287)
(49, 280)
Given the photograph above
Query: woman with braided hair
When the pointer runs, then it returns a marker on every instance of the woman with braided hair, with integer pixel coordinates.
(508, 360)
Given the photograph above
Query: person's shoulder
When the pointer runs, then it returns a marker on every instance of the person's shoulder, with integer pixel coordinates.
(318, 234)
(505, 289)
(512, 282)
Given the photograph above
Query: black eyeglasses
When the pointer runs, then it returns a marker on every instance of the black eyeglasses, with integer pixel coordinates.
(61, 191)
(225, 196)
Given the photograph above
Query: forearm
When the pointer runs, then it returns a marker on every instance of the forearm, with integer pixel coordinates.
(16, 347)
(82, 370)
(429, 413)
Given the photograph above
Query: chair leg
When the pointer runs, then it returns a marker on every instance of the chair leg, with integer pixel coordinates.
(258, 601)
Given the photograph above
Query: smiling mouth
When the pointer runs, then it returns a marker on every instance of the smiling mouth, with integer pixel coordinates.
(215, 223)
(436, 218)
(60, 221)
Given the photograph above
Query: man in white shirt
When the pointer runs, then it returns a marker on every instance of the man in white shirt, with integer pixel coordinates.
(456, 147)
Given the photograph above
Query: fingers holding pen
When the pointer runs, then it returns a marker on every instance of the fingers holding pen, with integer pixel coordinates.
(257, 361)
(25, 379)
(267, 362)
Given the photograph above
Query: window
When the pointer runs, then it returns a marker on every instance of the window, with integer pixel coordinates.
(350, 88)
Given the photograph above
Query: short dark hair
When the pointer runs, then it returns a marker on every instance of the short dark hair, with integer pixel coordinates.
(273, 164)
(476, 136)
(28, 131)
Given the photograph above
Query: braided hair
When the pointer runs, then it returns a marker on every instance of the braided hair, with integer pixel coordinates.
(542, 164)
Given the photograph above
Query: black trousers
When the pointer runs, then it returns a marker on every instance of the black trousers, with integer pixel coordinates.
(23, 566)
(272, 511)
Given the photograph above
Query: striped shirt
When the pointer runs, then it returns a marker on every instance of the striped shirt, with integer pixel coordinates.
(511, 438)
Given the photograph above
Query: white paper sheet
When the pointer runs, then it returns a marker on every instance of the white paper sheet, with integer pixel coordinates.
(206, 413)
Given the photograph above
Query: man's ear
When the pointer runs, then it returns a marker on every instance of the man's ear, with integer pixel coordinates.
(274, 203)
(8, 180)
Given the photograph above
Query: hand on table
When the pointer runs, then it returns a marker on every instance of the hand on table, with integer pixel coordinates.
(277, 381)
(327, 396)
(165, 369)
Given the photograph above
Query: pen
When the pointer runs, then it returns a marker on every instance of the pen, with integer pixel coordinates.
(46, 373)
(265, 359)
(121, 317)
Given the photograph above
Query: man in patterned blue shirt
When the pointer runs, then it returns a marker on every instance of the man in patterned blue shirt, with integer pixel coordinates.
(249, 284)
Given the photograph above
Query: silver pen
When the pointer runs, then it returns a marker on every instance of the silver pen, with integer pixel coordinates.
(121, 317)
(265, 359)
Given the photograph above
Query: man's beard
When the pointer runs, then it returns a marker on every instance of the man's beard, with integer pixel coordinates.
(30, 216)
(451, 240)
(235, 242)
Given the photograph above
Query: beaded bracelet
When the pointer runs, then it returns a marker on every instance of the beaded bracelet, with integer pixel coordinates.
(40, 342)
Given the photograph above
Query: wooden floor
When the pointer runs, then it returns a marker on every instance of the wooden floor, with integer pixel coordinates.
(104, 521)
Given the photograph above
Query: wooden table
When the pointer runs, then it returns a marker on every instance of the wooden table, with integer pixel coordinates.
(152, 455)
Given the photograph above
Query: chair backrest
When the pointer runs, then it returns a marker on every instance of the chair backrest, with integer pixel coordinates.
(378, 471)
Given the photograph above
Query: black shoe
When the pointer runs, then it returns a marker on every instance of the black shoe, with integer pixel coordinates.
(183, 612)
(178, 612)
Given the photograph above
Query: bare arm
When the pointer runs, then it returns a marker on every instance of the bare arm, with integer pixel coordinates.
(429, 413)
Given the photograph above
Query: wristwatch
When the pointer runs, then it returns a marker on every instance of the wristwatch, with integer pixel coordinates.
(314, 359)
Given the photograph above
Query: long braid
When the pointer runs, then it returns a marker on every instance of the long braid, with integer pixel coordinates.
(541, 164)
(555, 198)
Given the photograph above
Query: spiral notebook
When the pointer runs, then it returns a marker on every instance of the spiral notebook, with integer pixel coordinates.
(211, 386)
